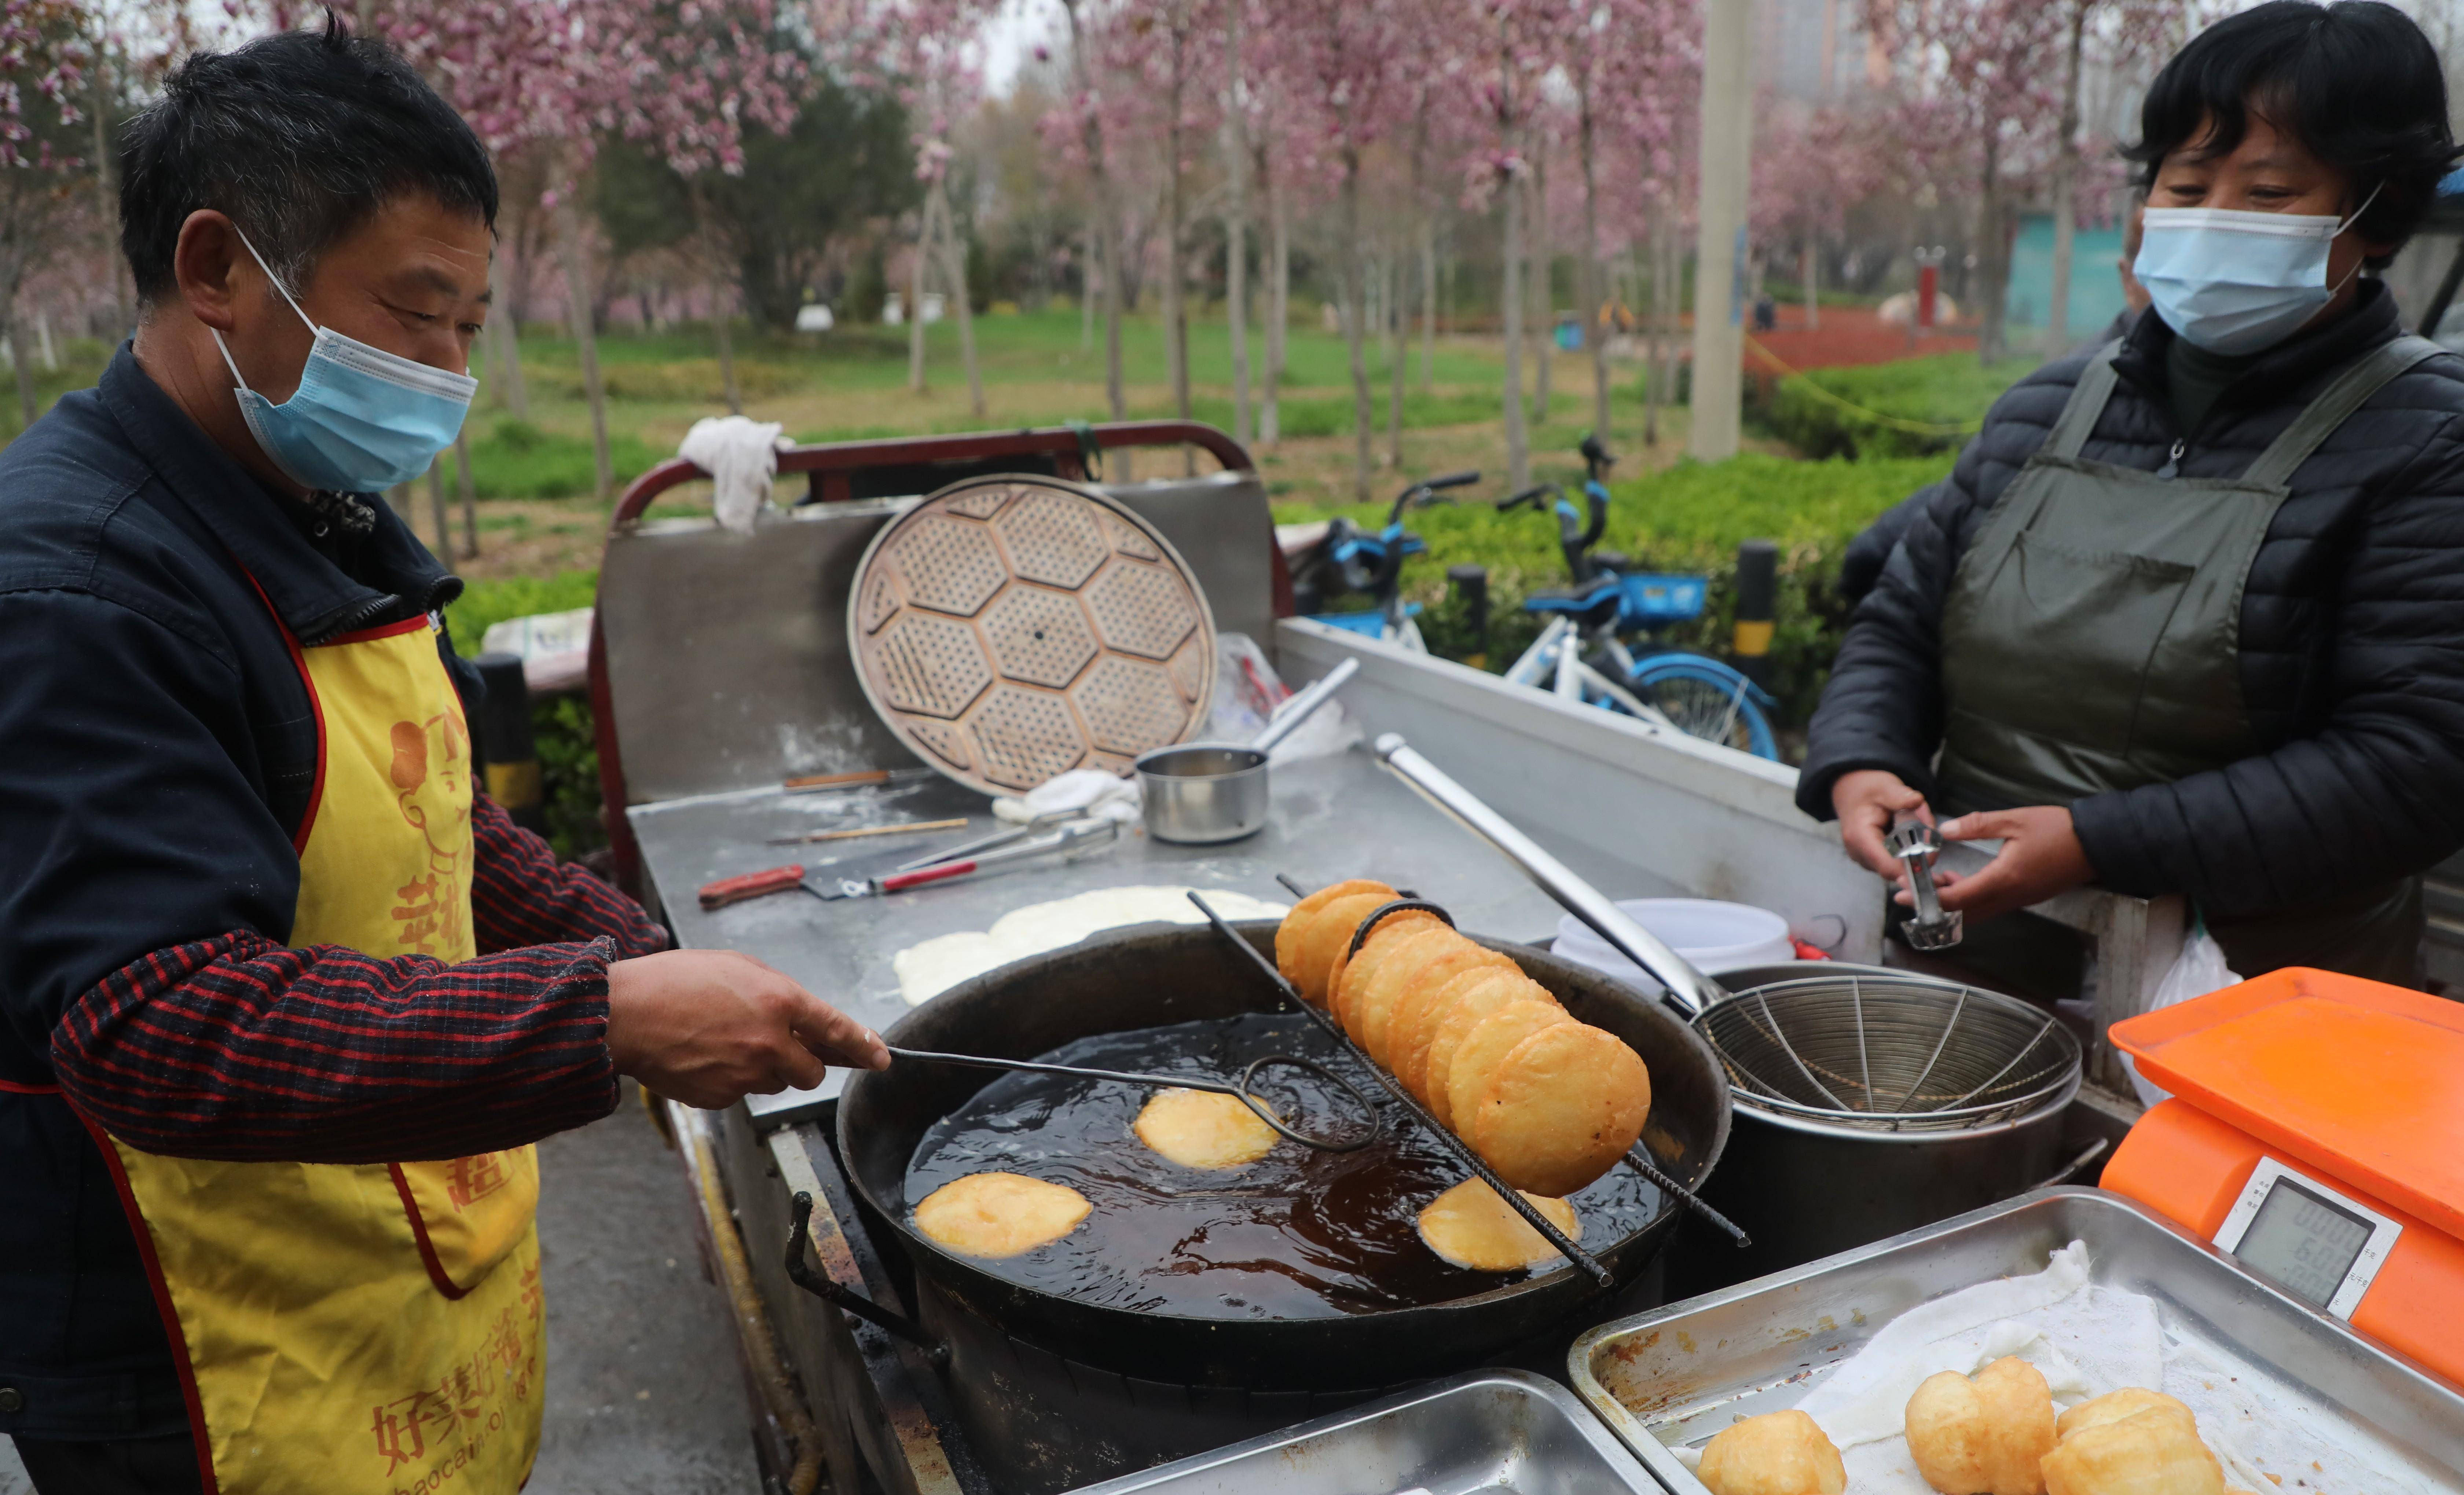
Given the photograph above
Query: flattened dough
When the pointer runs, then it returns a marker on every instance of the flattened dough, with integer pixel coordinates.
(1329, 939)
(1780, 1453)
(1476, 1058)
(1200, 1129)
(1558, 1108)
(999, 1214)
(927, 970)
(1470, 1010)
(1472, 1227)
(1427, 961)
(1345, 973)
(1294, 930)
(1414, 1027)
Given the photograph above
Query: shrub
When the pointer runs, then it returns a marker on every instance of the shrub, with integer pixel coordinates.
(1911, 408)
(561, 725)
(520, 460)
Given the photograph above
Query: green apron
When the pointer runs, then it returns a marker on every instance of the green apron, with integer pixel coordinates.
(2092, 643)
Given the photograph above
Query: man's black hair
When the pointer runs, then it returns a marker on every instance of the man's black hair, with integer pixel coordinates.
(299, 138)
(2356, 82)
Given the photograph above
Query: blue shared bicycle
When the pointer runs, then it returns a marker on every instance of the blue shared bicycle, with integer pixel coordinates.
(1583, 651)
(1348, 560)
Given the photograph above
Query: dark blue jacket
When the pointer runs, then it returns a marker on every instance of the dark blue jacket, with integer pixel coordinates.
(157, 750)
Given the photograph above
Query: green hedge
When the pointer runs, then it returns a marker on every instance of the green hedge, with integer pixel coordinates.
(568, 751)
(1911, 408)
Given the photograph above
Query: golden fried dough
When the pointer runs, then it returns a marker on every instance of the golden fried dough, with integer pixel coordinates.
(1290, 933)
(1558, 1109)
(1429, 958)
(1328, 940)
(1203, 1128)
(1780, 1453)
(2115, 1405)
(1472, 1226)
(998, 1214)
(1414, 1027)
(1983, 1436)
(1350, 968)
(2152, 1448)
(1470, 1010)
(1476, 1060)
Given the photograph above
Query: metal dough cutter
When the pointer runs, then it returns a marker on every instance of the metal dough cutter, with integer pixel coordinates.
(1917, 845)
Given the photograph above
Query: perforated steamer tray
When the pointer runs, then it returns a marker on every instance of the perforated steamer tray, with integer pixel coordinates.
(1011, 628)
(1676, 1375)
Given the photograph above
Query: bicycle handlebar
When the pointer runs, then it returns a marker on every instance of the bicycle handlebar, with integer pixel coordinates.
(1530, 496)
(1463, 479)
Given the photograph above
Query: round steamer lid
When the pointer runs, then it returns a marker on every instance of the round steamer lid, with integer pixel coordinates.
(1011, 628)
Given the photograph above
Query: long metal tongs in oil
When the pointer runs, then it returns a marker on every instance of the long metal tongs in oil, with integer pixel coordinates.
(1412, 1106)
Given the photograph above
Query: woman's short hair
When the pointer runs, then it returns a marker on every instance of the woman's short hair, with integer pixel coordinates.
(2356, 82)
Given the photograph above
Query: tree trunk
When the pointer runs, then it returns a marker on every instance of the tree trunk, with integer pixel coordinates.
(1992, 259)
(1511, 298)
(1279, 309)
(2057, 316)
(469, 487)
(915, 296)
(1540, 274)
(1655, 380)
(1236, 230)
(1354, 296)
(1813, 261)
(106, 191)
(504, 325)
(1397, 345)
(1086, 292)
(718, 307)
(1175, 308)
(22, 359)
(1428, 300)
(577, 295)
(954, 270)
(436, 508)
(1594, 296)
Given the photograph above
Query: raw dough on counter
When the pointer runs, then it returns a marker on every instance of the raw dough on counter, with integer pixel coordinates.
(1780, 1453)
(1983, 1436)
(1205, 1129)
(999, 1214)
(1472, 1227)
(927, 970)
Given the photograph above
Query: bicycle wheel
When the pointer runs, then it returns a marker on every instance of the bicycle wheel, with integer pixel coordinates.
(1707, 699)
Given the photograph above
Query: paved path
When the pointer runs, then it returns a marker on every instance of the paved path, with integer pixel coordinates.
(644, 1393)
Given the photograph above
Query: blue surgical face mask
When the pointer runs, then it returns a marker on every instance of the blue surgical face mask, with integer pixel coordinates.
(362, 420)
(2236, 282)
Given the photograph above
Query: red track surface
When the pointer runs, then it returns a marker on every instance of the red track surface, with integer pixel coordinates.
(1849, 336)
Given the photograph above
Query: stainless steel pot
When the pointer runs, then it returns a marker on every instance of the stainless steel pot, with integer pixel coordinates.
(1202, 793)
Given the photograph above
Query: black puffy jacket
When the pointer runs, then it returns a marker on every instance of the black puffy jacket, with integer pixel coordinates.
(2352, 629)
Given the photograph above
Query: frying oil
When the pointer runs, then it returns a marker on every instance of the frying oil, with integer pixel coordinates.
(1298, 1234)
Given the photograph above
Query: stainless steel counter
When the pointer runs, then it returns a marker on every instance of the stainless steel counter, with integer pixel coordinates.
(1333, 818)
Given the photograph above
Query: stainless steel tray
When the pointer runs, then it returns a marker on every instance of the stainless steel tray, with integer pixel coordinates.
(1485, 1431)
(1674, 1377)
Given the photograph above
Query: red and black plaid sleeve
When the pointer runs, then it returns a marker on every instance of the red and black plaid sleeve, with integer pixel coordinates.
(239, 1048)
(521, 894)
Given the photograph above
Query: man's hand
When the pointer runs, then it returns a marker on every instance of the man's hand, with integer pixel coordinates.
(1866, 800)
(709, 1027)
(2040, 857)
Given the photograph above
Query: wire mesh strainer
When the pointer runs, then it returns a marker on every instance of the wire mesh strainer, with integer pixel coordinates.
(1890, 1053)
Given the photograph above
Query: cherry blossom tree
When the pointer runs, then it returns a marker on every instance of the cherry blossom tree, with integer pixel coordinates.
(44, 53)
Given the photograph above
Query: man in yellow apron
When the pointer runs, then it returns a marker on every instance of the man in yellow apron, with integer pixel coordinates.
(286, 999)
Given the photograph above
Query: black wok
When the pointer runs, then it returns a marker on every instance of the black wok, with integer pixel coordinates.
(1148, 977)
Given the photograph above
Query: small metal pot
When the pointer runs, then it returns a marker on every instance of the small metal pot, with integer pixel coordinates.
(1202, 793)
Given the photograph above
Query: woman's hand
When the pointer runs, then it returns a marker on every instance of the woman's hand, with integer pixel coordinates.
(2040, 857)
(1867, 801)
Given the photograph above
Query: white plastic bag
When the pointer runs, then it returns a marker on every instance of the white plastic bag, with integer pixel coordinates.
(2198, 970)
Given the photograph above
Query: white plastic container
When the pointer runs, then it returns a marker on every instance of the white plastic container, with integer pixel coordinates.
(1712, 935)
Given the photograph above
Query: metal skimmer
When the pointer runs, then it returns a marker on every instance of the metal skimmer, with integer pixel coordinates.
(1891, 1054)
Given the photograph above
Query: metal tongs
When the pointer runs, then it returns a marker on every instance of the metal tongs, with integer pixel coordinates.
(1067, 840)
(1244, 1091)
(1931, 927)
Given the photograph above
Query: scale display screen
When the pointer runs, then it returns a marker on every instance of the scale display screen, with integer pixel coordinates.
(2301, 1243)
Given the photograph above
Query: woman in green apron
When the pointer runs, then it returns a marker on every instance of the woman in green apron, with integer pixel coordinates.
(2188, 617)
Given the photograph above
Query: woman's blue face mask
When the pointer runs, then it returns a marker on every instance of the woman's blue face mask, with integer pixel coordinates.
(2237, 282)
(362, 420)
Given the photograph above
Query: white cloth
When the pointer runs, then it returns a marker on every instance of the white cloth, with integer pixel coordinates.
(1098, 793)
(741, 457)
(927, 970)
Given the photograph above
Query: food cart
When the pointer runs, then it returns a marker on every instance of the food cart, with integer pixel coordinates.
(722, 674)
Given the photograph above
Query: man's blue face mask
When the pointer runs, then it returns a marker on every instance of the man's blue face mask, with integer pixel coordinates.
(2233, 281)
(362, 420)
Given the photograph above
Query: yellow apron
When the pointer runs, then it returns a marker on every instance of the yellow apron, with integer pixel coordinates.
(360, 1327)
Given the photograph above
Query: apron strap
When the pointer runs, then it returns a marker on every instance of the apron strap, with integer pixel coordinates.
(2086, 404)
(2352, 388)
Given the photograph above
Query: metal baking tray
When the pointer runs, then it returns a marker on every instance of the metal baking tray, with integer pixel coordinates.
(1504, 1431)
(1674, 1377)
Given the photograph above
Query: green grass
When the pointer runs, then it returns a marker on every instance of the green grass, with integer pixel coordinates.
(484, 603)
(81, 362)
(1903, 409)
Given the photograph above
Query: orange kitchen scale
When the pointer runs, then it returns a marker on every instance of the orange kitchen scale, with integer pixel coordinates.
(2316, 1135)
